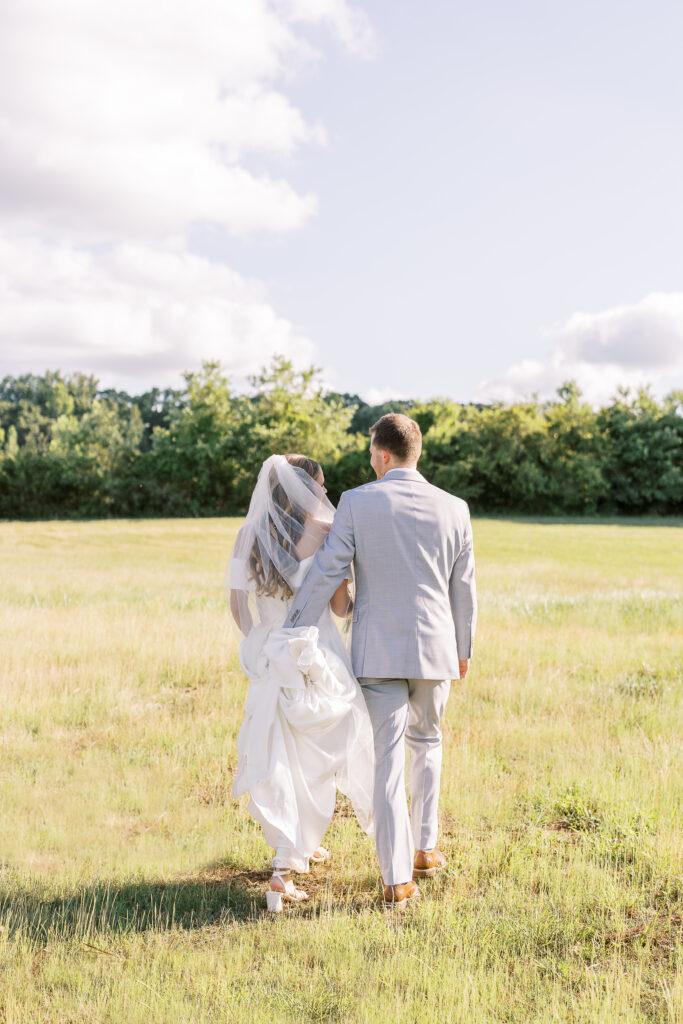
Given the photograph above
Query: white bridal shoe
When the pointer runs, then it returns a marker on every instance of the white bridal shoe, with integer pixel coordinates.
(274, 897)
(320, 856)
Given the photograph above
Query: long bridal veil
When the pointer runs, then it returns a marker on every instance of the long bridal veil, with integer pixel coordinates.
(288, 519)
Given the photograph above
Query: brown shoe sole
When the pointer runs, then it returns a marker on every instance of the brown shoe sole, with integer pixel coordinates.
(399, 904)
(426, 872)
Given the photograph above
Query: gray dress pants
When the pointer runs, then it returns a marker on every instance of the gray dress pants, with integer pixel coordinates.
(405, 711)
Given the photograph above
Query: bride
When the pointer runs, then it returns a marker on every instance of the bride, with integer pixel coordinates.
(306, 731)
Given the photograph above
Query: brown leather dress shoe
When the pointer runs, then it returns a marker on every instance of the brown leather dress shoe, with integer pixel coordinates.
(397, 897)
(427, 863)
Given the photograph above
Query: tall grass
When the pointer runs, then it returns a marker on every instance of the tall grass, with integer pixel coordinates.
(131, 884)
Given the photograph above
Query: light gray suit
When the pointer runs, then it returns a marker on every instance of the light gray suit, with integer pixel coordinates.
(414, 617)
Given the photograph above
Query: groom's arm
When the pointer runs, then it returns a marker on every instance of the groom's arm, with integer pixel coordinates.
(330, 568)
(463, 595)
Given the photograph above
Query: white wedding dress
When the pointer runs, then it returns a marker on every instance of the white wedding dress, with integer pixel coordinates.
(306, 731)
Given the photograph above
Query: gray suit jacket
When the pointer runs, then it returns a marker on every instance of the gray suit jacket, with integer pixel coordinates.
(411, 547)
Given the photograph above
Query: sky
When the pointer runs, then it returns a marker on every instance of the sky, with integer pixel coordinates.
(445, 199)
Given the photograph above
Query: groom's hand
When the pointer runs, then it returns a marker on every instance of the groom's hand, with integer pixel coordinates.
(464, 665)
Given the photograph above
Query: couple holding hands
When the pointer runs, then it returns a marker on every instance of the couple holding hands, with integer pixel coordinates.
(396, 558)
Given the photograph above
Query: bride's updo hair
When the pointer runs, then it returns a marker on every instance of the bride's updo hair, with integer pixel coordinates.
(287, 531)
(309, 466)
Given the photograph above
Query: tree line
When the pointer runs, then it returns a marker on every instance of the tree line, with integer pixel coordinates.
(71, 449)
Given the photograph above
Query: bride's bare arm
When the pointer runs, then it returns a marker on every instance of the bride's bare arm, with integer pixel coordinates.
(240, 612)
(235, 609)
(341, 603)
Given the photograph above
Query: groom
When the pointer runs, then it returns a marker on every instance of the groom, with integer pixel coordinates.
(413, 624)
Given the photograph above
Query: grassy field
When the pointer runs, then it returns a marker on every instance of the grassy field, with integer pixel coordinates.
(131, 884)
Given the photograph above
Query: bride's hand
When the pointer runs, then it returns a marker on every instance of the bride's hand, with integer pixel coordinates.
(342, 603)
(314, 533)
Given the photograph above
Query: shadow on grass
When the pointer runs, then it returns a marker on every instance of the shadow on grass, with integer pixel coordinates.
(221, 893)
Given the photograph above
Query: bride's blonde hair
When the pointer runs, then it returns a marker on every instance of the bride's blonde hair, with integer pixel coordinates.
(269, 582)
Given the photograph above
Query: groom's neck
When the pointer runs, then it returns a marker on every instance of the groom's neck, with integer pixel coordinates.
(395, 464)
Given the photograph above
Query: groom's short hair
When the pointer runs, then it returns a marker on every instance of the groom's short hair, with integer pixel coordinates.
(399, 435)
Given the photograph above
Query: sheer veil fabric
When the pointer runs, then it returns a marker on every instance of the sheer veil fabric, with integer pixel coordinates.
(306, 731)
(288, 519)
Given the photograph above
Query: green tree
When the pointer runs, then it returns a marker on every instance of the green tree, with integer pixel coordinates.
(69, 448)
(575, 454)
(191, 464)
(63, 446)
(290, 410)
(644, 453)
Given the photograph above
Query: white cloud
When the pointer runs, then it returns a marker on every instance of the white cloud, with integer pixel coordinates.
(647, 336)
(121, 119)
(378, 396)
(124, 313)
(350, 23)
(627, 345)
(121, 126)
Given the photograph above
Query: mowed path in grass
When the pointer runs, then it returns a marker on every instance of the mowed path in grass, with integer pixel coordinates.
(131, 884)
